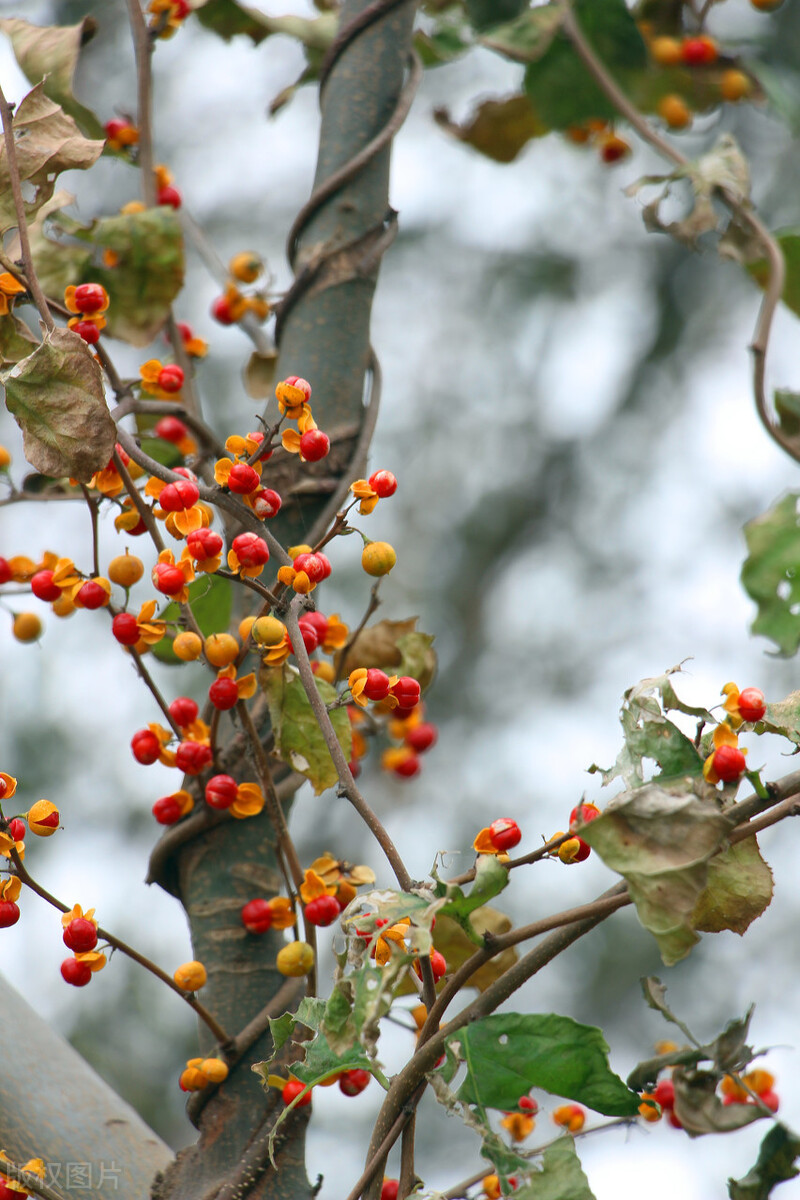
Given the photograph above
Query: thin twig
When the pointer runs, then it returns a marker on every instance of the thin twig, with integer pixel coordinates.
(347, 785)
(143, 49)
(34, 286)
(144, 510)
(32, 1183)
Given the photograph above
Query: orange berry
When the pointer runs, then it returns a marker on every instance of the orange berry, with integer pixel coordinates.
(766, 5)
(675, 111)
(125, 570)
(246, 266)
(187, 646)
(378, 558)
(27, 627)
(613, 148)
(5, 458)
(221, 649)
(734, 85)
(190, 976)
(666, 51)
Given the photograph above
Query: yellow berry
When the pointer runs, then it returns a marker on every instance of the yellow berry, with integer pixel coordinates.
(324, 670)
(675, 111)
(245, 626)
(125, 570)
(378, 558)
(27, 627)
(734, 85)
(214, 1069)
(268, 631)
(666, 51)
(221, 649)
(295, 959)
(246, 266)
(187, 646)
(190, 976)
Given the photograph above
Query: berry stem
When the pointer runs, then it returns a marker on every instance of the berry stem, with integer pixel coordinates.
(219, 1033)
(34, 287)
(32, 1183)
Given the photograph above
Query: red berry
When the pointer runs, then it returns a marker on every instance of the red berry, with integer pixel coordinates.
(91, 595)
(318, 621)
(257, 916)
(293, 1088)
(125, 629)
(322, 910)
(43, 587)
(243, 479)
(752, 704)
(193, 757)
(771, 1100)
(167, 810)
(355, 768)
(221, 791)
(171, 429)
(326, 564)
(438, 965)
(314, 445)
(145, 746)
(353, 1082)
(664, 1093)
(729, 763)
(75, 972)
(699, 51)
(203, 544)
(309, 635)
(528, 1104)
(177, 496)
(221, 311)
(376, 685)
(301, 384)
(582, 814)
(223, 693)
(114, 126)
(169, 195)
(89, 297)
(88, 331)
(674, 1119)
(167, 579)
(584, 850)
(407, 691)
(5, 571)
(266, 503)
(408, 767)
(171, 378)
(312, 564)
(504, 833)
(250, 549)
(16, 829)
(390, 1189)
(422, 737)
(80, 935)
(9, 914)
(183, 711)
(384, 483)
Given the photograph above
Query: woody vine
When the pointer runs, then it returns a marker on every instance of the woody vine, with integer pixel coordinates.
(297, 694)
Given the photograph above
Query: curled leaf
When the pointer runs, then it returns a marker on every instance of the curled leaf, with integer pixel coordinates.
(49, 55)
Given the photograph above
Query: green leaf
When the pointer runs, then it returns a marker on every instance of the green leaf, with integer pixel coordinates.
(298, 737)
(561, 1176)
(56, 397)
(775, 1164)
(441, 45)
(771, 573)
(16, 339)
(783, 718)
(166, 453)
(228, 18)
(450, 939)
(499, 129)
(508, 1054)
(787, 406)
(700, 1110)
(211, 600)
(529, 36)
(47, 142)
(148, 274)
(58, 263)
(485, 13)
(560, 88)
(49, 55)
(490, 879)
(739, 889)
(789, 242)
(661, 842)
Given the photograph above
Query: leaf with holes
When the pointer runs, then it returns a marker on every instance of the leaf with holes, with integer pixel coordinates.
(509, 1053)
(298, 738)
(56, 397)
